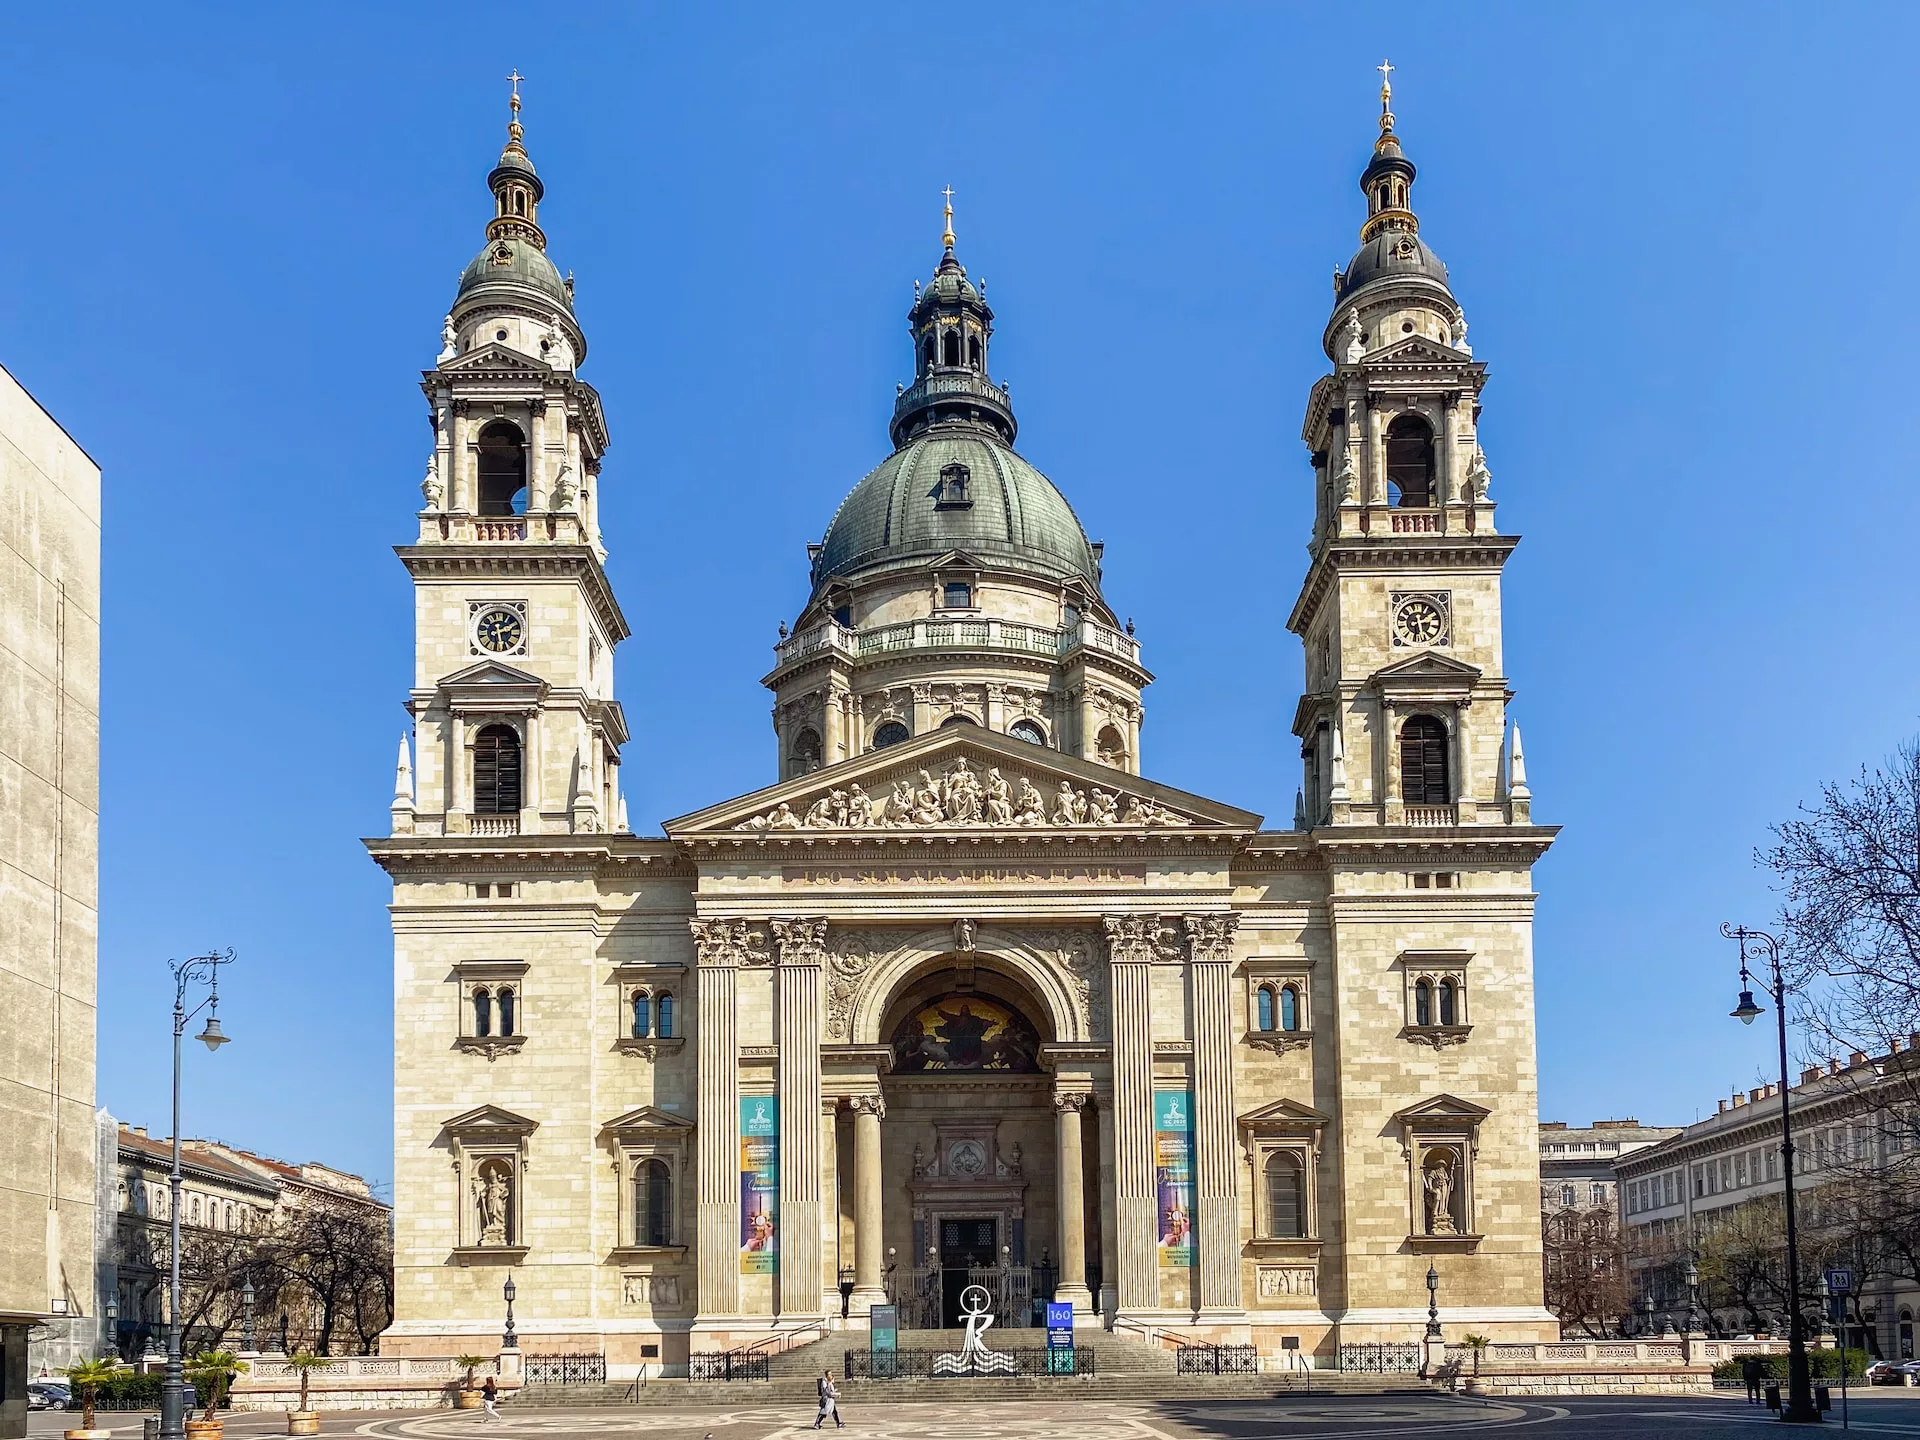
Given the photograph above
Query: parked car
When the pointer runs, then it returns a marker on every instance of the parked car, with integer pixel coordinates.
(1885, 1372)
(1910, 1371)
(49, 1395)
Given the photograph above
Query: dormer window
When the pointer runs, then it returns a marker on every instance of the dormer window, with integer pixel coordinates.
(953, 492)
(957, 595)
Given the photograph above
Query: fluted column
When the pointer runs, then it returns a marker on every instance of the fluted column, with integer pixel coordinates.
(802, 946)
(718, 1147)
(1108, 1298)
(460, 482)
(1217, 1176)
(1136, 1231)
(1073, 1202)
(869, 1277)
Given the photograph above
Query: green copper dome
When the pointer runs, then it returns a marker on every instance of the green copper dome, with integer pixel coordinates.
(909, 509)
(511, 260)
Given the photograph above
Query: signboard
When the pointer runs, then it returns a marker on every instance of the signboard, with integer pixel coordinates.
(1173, 1175)
(759, 1186)
(1839, 1282)
(1059, 1324)
(885, 1320)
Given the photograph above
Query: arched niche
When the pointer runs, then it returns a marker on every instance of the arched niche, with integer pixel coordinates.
(926, 965)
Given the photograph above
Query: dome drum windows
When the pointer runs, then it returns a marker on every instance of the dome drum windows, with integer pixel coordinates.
(1029, 731)
(492, 1019)
(1279, 1011)
(890, 732)
(1436, 997)
(652, 1018)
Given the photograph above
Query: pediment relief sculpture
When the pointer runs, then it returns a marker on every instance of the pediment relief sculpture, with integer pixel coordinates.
(961, 795)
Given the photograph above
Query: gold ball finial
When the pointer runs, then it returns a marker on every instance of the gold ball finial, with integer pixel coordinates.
(946, 237)
(1385, 68)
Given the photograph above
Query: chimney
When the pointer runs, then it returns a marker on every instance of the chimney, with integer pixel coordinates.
(1858, 1057)
(1833, 1067)
(1894, 1047)
(1809, 1075)
(1756, 1096)
(1553, 1124)
(139, 1130)
(1722, 1107)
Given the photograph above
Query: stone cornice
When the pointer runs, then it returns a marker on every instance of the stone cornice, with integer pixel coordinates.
(1387, 553)
(529, 560)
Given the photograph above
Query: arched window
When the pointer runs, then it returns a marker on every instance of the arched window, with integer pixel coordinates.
(950, 348)
(663, 1007)
(1410, 463)
(1566, 1195)
(1906, 1335)
(953, 492)
(642, 1015)
(504, 1000)
(1423, 762)
(1423, 1003)
(973, 351)
(1289, 1008)
(1446, 1003)
(891, 733)
(496, 771)
(1028, 731)
(1263, 1009)
(957, 720)
(1286, 1215)
(929, 352)
(503, 470)
(806, 752)
(1112, 747)
(653, 1203)
(482, 1013)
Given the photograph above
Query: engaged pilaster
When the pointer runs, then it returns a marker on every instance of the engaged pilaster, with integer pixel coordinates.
(1217, 1178)
(1130, 949)
(718, 1151)
(802, 946)
(869, 1278)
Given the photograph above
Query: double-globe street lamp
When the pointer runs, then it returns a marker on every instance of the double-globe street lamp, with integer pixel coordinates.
(1799, 1406)
(173, 1397)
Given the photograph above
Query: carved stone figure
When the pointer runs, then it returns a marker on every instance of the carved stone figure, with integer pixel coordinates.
(1102, 808)
(1069, 806)
(963, 933)
(1437, 1180)
(919, 1159)
(1478, 477)
(431, 486)
(999, 800)
(820, 813)
(1033, 808)
(449, 340)
(859, 808)
(491, 1194)
(900, 804)
(1013, 1159)
(962, 794)
(1460, 335)
(563, 487)
(783, 818)
(1355, 347)
(928, 807)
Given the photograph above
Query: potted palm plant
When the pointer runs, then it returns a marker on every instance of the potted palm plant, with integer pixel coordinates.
(1478, 1344)
(302, 1421)
(466, 1397)
(87, 1377)
(211, 1372)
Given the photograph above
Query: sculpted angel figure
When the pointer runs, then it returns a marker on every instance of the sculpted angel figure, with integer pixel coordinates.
(999, 800)
(1102, 808)
(1033, 809)
(1069, 806)
(927, 806)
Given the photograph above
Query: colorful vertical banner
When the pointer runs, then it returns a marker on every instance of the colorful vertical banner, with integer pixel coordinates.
(1173, 1175)
(759, 1186)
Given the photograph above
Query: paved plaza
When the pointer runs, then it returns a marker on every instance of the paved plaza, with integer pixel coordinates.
(1883, 1413)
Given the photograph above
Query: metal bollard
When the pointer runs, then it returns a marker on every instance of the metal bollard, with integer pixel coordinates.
(1773, 1396)
(150, 1428)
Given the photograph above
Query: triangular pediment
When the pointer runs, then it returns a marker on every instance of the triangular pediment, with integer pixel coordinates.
(965, 779)
(490, 673)
(494, 356)
(1428, 665)
(1442, 1110)
(1417, 350)
(489, 1120)
(957, 560)
(646, 1118)
(1284, 1115)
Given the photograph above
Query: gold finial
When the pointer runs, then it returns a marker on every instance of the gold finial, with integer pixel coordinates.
(513, 125)
(1386, 94)
(947, 238)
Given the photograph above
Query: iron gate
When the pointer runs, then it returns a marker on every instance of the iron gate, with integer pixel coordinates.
(1388, 1358)
(573, 1369)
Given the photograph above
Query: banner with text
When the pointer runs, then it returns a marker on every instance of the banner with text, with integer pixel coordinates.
(759, 1186)
(1173, 1174)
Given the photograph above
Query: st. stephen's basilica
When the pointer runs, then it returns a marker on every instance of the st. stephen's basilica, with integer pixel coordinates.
(965, 997)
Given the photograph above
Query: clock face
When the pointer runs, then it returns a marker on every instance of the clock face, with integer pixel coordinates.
(1419, 622)
(499, 630)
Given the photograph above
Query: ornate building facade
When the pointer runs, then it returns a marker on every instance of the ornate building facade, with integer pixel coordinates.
(965, 996)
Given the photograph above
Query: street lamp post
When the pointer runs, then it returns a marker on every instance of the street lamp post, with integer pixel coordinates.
(173, 1396)
(509, 1341)
(247, 1346)
(1433, 1350)
(1693, 1294)
(1799, 1407)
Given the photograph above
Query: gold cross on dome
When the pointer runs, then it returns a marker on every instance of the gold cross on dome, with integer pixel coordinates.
(947, 238)
(514, 79)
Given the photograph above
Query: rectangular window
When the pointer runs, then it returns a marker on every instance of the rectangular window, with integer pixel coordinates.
(482, 892)
(504, 892)
(1443, 880)
(1422, 880)
(1597, 1194)
(958, 596)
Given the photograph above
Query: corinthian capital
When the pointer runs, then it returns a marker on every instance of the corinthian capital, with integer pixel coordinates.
(802, 941)
(1210, 937)
(1130, 938)
(730, 942)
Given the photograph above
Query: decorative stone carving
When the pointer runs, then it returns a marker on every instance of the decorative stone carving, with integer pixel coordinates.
(1459, 337)
(1436, 1184)
(1140, 939)
(868, 1105)
(493, 1201)
(1280, 1042)
(1210, 937)
(650, 1289)
(963, 935)
(1286, 1280)
(1070, 1100)
(1345, 479)
(1076, 954)
(431, 487)
(1355, 346)
(564, 488)
(449, 341)
(730, 942)
(802, 942)
(961, 795)
(1479, 479)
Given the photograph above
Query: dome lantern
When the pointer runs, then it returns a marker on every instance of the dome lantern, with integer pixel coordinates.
(952, 327)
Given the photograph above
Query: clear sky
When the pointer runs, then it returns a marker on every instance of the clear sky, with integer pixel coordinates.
(1679, 233)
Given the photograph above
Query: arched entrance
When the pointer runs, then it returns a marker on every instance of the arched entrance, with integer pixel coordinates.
(971, 1159)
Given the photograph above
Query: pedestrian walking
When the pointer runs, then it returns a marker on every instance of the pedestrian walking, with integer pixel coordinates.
(489, 1397)
(1750, 1372)
(829, 1402)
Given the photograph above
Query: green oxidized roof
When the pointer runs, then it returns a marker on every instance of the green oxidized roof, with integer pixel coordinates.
(1017, 516)
(528, 265)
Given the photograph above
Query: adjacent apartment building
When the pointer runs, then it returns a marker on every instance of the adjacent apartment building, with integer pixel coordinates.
(49, 834)
(1577, 1165)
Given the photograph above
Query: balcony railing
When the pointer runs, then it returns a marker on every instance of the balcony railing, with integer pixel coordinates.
(1433, 814)
(494, 825)
(937, 633)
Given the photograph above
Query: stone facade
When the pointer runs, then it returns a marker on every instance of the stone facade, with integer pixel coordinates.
(49, 870)
(962, 1000)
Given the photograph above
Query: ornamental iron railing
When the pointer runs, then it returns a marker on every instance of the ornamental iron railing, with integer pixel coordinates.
(1386, 1358)
(920, 1364)
(566, 1369)
(1216, 1360)
(1011, 1291)
(728, 1365)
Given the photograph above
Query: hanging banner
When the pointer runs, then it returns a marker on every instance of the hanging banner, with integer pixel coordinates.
(759, 1186)
(1173, 1175)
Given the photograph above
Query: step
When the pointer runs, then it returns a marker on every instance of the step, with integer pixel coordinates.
(1113, 1354)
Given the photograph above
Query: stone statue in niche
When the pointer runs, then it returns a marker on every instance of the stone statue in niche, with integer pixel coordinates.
(493, 1203)
(1437, 1180)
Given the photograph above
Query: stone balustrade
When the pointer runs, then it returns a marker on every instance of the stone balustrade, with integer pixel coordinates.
(952, 633)
(368, 1382)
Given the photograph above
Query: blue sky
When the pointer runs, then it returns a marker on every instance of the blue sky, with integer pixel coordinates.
(1678, 231)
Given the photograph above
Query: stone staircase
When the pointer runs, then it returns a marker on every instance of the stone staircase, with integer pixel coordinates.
(1125, 1369)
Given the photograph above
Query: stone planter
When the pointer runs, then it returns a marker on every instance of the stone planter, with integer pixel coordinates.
(206, 1429)
(89, 1435)
(303, 1422)
(464, 1399)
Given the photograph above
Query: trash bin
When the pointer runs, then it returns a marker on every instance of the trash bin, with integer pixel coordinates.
(1822, 1398)
(1773, 1396)
(150, 1428)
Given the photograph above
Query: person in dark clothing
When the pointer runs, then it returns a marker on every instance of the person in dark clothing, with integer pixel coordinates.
(1751, 1370)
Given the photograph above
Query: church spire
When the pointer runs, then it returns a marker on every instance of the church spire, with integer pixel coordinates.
(516, 189)
(1388, 180)
(952, 327)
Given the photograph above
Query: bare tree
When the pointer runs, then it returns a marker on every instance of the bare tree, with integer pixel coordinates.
(1586, 1269)
(341, 1256)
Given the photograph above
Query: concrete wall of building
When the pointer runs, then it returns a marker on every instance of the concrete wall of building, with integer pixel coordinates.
(49, 868)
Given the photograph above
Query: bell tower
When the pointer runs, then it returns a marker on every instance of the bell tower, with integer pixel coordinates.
(516, 730)
(1404, 718)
